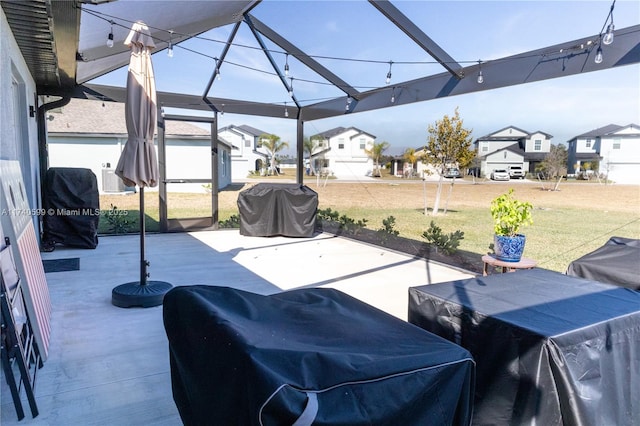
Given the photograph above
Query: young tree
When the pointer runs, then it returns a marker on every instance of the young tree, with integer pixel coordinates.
(310, 146)
(410, 157)
(375, 153)
(554, 164)
(448, 143)
(273, 145)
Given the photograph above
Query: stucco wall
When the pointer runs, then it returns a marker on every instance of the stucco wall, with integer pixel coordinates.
(18, 131)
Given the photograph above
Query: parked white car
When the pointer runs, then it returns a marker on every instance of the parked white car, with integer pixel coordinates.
(499, 174)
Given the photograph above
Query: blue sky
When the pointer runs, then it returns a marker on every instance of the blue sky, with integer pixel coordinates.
(467, 30)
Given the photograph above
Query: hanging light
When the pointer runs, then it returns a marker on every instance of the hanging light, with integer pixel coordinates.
(348, 105)
(170, 48)
(480, 79)
(222, 110)
(608, 37)
(286, 111)
(388, 80)
(286, 65)
(218, 65)
(598, 59)
(393, 95)
(291, 88)
(110, 36)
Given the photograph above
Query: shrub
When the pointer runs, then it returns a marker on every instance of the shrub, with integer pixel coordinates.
(448, 243)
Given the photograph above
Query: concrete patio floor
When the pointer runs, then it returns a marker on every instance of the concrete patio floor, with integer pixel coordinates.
(110, 365)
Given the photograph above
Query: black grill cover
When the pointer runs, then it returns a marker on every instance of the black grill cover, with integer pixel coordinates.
(617, 262)
(268, 209)
(72, 207)
(239, 358)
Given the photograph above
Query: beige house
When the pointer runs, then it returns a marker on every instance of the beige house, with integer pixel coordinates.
(512, 146)
(91, 134)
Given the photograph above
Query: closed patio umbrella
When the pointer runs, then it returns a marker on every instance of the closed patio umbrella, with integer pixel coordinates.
(138, 164)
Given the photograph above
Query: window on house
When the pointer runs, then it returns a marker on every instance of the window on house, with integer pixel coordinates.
(537, 145)
(341, 143)
(504, 154)
(484, 147)
(247, 143)
(363, 144)
(616, 143)
(588, 143)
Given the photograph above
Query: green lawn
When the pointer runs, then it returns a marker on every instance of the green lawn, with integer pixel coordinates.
(567, 224)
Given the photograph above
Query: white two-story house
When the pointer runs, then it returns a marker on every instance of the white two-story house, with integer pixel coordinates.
(343, 152)
(512, 146)
(612, 150)
(247, 156)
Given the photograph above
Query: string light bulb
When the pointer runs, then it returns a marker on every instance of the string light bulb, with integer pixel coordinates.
(480, 79)
(291, 88)
(608, 37)
(222, 110)
(393, 95)
(286, 111)
(598, 59)
(286, 65)
(110, 36)
(170, 48)
(388, 80)
(348, 105)
(218, 65)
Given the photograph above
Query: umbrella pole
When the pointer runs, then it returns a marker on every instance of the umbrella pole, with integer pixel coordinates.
(140, 293)
(143, 261)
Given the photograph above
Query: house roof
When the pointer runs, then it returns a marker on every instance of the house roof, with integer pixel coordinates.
(489, 137)
(607, 130)
(96, 117)
(251, 130)
(515, 148)
(328, 134)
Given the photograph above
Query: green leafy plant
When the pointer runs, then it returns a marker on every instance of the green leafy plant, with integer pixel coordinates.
(388, 229)
(448, 243)
(327, 215)
(510, 214)
(117, 220)
(232, 222)
(351, 225)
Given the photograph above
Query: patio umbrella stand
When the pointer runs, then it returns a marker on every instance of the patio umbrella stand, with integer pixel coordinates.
(144, 293)
(138, 164)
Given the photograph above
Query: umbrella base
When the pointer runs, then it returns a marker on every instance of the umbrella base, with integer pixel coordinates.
(134, 294)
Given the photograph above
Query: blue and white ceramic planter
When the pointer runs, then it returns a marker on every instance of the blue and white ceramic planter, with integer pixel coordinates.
(508, 249)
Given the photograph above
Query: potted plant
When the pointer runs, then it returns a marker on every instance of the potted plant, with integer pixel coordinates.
(509, 215)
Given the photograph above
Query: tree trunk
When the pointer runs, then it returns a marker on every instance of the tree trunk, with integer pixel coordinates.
(424, 195)
(436, 203)
(446, 203)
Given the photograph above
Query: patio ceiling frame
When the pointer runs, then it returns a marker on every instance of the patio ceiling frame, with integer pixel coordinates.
(269, 56)
(418, 36)
(294, 51)
(561, 60)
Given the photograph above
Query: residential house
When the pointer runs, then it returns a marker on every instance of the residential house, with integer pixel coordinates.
(342, 152)
(91, 134)
(512, 146)
(612, 150)
(248, 155)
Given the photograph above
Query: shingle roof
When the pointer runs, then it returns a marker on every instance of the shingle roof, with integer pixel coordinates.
(601, 131)
(95, 117)
(251, 130)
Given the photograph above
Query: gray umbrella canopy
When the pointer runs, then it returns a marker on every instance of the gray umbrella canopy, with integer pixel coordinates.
(138, 164)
